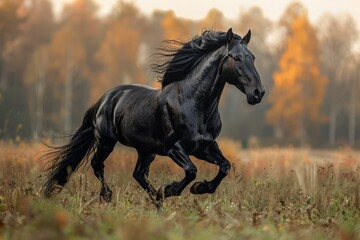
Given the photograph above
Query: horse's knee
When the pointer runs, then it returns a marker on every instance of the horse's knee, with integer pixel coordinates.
(225, 166)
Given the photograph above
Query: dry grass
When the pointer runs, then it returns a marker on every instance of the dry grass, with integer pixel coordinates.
(270, 194)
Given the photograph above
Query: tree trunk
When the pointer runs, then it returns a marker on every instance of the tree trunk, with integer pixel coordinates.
(332, 126)
(68, 95)
(278, 132)
(352, 114)
(3, 75)
(40, 67)
(303, 133)
(39, 117)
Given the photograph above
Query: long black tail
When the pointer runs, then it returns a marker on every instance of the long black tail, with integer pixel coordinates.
(65, 160)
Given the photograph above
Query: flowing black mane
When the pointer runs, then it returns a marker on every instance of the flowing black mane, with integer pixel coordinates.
(182, 57)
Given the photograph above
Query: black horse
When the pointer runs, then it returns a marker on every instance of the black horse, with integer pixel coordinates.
(179, 120)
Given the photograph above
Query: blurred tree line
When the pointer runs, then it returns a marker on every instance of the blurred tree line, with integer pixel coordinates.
(52, 68)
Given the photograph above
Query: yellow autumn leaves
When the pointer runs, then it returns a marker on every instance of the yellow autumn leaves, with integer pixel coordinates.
(299, 86)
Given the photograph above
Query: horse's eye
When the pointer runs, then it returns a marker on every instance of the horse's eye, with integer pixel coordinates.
(236, 58)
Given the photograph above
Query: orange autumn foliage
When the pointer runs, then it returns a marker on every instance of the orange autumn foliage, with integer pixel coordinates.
(118, 54)
(299, 87)
(214, 20)
(174, 27)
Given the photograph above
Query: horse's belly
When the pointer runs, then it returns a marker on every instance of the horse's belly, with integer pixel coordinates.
(147, 145)
(143, 135)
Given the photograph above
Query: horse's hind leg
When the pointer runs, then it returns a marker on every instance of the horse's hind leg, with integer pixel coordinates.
(97, 163)
(213, 155)
(141, 173)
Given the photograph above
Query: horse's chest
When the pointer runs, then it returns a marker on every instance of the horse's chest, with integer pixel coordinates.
(202, 135)
(190, 125)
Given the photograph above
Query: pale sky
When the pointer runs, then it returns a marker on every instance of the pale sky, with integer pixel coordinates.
(197, 9)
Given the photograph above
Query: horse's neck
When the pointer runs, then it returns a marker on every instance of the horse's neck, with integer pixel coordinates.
(206, 82)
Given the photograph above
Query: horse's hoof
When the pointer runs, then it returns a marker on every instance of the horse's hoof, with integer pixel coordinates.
(164, 192)
(106, 195)
(156, 200)
(201, 188)
(48, 192)
(161, 193)
(158, 205)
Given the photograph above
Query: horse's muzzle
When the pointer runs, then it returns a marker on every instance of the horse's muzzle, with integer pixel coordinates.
(255, 96)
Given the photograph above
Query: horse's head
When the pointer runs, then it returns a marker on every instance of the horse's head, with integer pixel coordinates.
(239, 68)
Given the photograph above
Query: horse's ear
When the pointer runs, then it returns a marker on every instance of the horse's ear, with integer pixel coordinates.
(247, 37)
(229, 35)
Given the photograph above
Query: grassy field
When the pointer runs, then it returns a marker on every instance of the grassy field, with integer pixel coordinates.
(271, 193)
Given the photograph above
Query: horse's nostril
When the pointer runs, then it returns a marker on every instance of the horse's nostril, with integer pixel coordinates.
(257, 93)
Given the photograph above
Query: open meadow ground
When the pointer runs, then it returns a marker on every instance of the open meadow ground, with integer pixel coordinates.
(271, 193)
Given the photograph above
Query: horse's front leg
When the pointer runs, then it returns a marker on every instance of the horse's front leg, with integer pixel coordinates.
(180, 157)
(211, 154)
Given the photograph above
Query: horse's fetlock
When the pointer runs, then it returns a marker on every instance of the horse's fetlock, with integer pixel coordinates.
(225, 167)
(191, 173)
